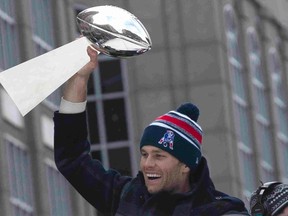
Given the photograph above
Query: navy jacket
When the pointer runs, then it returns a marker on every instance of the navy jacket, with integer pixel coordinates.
(113, 194)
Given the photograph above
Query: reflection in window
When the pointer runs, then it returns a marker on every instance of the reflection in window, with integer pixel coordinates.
(107, 115)
(93, 123)
(9, 110)
(111, 80)
(9, 53)
(247, 169)
(58, 191)
(97, 155)
(116, 160)
(43, 35)
(260, 99)
(115, 120)
(242, 120)
(21, 193)
(42, 24)
(280, 104)
(284, 157)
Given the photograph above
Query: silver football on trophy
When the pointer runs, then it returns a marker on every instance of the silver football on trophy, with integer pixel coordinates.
(114, 31)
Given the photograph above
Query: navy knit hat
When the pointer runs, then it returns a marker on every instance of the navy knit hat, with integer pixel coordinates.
(177, 133)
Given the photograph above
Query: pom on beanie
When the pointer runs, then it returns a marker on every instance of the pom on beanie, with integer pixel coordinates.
(189, 110)
(177, 133)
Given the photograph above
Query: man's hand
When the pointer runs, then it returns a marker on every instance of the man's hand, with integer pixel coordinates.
(76, 87)
(87, 69)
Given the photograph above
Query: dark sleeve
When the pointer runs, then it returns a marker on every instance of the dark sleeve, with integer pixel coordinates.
(98, 186)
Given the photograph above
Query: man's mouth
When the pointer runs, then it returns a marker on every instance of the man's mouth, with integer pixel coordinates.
(151, 176)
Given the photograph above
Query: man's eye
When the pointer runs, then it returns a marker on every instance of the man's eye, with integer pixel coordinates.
(159, 156)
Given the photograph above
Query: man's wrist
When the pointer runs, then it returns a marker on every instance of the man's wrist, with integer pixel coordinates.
(67, 107)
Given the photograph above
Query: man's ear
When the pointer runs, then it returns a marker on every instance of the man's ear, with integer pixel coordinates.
(185, 168)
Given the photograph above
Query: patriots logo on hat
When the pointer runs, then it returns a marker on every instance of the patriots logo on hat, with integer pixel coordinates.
(167, 139)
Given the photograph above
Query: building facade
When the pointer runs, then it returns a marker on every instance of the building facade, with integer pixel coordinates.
(229, 57)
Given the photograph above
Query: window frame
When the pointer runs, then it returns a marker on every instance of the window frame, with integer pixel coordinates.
(279, 104)
(17, 202)
(65, 192)
(103, 146)
(240, 99)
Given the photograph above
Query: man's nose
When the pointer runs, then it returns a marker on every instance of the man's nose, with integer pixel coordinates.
(150, 162)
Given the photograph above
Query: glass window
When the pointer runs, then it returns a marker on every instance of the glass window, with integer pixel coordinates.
(259, 84)
(254, 49)
(275, 66)
(43, 35)
(280, 104)
(116, 160)
(243, 125)
(261, 102)
(7, 6)
(266, 140)
(107, 115)
(235, 61)
(9, 53)
(248, 169)
(284, 156)
(238, 82)
(93, 123)
(19, 167)
(111, 80)
(260, 99)
(237, 79)
(47, 131)
(278, 86)
(58, 190)
(10, 111)
(42, 23)
(97, 155)
(115, 120)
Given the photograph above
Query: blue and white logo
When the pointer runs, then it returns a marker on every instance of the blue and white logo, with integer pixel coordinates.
(167, 139)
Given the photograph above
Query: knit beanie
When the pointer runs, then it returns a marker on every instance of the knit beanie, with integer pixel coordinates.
(177, 133)
(274, 198)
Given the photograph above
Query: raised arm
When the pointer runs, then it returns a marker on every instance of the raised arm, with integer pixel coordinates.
(98, 186)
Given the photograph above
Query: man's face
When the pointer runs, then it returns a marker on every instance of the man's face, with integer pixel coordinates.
(162, 171)
(284, 212)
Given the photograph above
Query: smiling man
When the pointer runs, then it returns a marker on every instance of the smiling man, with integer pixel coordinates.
(171, 150)
(163, 172)
(173, 178)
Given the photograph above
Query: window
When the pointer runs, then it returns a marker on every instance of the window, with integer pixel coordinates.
(107, 116)
(260, 99)
(58, 191)
(47, 131)
(235, 60)
(43, 35)
(242, 120)
(280, 105)
(284, 156)
(42, 25)
(10, 111)
(9, 53)
(19, 167)
(247, 169)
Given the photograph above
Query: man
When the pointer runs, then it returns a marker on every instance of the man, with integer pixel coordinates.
(174, 177)
(270, 199)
